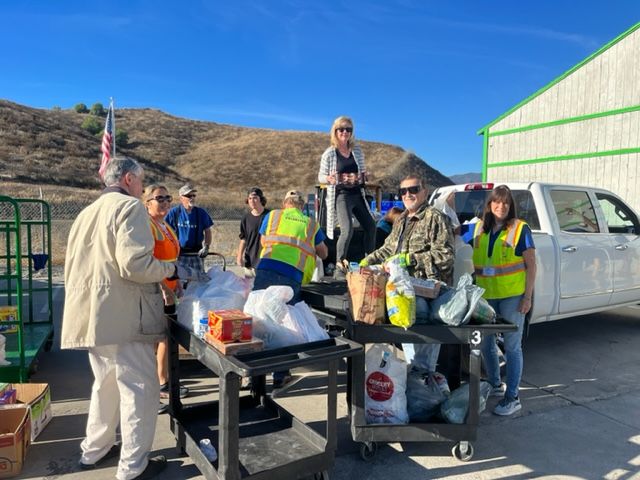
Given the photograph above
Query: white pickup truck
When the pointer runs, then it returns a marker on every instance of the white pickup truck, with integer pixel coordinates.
(587, 244)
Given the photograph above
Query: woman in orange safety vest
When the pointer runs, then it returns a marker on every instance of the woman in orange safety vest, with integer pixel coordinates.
(167, 247)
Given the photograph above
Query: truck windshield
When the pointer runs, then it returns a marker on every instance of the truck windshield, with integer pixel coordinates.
(470, 205)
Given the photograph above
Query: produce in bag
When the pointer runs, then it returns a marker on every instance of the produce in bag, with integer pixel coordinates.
(484, 313)
(385, 384)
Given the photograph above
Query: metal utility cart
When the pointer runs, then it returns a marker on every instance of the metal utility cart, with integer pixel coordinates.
(369, 434)
(25, 246)
(255, 437)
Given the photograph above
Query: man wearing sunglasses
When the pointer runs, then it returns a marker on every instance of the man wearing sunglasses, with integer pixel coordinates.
(193, 226)
(423, 240)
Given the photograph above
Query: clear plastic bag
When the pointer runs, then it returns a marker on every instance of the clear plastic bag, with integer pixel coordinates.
(425, 392)
(454, 409)
(385, 398)
(400, 296)
(484, 313)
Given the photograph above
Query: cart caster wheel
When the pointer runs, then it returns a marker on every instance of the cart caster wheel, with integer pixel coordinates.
(321, 476)
(463, 451)
(368, 451)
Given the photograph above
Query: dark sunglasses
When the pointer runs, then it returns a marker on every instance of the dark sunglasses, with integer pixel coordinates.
(162, 198)
(413, 189)
(191, 195)
(344, 129)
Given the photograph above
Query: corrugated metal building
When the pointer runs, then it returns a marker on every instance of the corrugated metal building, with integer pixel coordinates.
(583, 128)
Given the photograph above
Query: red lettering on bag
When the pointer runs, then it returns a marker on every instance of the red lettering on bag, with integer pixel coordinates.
(379, 387)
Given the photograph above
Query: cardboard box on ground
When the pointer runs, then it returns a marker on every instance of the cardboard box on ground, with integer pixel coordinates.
(37, 398)
(15, 437)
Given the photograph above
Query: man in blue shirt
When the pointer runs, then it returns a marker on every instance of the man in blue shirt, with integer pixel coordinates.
(193, 226)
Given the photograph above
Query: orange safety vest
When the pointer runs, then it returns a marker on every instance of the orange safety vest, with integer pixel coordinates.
(167, 246)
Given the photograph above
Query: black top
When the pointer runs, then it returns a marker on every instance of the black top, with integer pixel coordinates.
(250, 233)
(346, 166)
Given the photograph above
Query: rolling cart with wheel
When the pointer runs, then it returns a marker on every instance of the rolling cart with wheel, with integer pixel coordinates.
(25, 283)
(370, 434)
(256, 438)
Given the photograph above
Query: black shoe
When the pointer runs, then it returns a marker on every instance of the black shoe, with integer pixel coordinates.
(155, 466)
(114, 452)
(163, 408)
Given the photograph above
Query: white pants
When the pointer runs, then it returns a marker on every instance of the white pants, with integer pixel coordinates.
(126, 391)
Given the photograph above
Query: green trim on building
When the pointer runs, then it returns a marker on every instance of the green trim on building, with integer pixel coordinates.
(605, 153)
(485, 156)
(564, 121)
(561, 77)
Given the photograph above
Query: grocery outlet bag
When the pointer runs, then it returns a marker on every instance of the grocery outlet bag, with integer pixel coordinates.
(367, 291)
(385, 398)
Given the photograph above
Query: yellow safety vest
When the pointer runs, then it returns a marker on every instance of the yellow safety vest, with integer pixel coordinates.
(503, 274)
(290, 238)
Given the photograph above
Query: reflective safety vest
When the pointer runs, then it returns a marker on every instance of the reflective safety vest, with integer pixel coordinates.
(167, 246)
(503, 274)
(290, 238)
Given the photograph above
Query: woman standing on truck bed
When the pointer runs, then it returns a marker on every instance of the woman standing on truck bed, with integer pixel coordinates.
(505, 266)
(342, 169)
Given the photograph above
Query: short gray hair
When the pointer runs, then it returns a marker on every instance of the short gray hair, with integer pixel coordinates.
(118, 167)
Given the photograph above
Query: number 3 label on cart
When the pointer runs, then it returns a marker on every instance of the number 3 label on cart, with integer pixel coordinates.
(379, 387)
(476, 338)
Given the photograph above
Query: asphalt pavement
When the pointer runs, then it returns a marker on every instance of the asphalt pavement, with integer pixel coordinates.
(580, 395)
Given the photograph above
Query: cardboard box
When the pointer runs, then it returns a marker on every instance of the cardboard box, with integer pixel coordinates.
(8, 313)
(427, 288)
(230, 325)
(15, 437)
(37, 398)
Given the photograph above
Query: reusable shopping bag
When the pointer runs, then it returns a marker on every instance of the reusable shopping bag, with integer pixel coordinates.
(385, 384)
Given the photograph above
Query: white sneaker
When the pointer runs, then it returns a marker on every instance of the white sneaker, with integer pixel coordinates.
(507, 406)
(498, 391)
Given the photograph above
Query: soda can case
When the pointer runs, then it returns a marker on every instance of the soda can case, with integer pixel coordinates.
(230, 325)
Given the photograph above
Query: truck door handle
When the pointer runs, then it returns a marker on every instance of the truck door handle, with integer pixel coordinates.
(570, 249)
(622, 246)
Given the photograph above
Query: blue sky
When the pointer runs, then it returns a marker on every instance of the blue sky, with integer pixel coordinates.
(424, 75)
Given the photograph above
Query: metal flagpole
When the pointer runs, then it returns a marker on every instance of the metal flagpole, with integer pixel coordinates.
(113, 124)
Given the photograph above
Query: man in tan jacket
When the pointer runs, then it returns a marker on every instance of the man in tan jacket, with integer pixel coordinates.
(114, 309)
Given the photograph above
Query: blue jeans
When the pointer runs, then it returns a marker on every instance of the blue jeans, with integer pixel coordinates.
(422, 355)
(508, 309)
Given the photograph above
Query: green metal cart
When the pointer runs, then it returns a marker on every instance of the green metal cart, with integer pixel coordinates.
(25, 283)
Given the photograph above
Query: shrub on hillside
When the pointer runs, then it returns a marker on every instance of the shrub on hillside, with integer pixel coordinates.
(98, 110)
(81, 108)
(122, 137)
(56, 108)
(92, 124)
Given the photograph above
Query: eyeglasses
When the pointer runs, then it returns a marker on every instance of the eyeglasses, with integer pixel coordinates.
(191, 195)
(162, 198)
(413, 189)
(344, 129)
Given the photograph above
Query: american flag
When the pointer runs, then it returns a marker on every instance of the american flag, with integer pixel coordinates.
(108, 141)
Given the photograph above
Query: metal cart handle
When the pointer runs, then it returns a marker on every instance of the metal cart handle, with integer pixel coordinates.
(224, 260)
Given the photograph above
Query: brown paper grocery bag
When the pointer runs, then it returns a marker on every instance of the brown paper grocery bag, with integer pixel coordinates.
(367, 291)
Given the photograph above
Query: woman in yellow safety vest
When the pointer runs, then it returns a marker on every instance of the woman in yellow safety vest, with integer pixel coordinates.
(505, 266)
(167, 247)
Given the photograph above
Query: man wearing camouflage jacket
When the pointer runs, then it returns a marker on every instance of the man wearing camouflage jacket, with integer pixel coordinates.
(423, 239)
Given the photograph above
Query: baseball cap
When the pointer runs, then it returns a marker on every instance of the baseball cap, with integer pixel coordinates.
(255, 190)
(186, 190)
(294, 195)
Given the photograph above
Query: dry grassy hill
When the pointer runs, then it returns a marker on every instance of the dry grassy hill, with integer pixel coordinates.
(50, 149)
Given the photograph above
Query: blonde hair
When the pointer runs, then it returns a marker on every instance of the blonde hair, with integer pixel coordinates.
(339, 122)
(147, 194)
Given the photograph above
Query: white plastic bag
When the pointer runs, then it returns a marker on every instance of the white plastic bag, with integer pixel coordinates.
(271, 320)
(385, 384)
(307, 323)
(226, 290)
